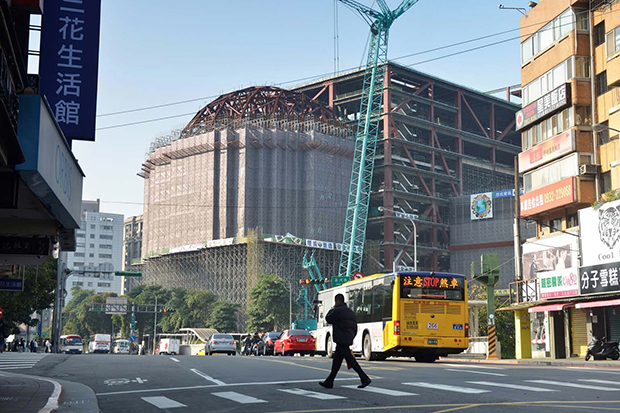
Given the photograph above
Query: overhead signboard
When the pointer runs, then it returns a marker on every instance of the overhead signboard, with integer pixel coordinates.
(555, 254)
(11, 284)
(600, 234)
(69, 64)
(339, 280)
(547, 151)
(549, 197)
(481, 206)
(558, 283)
(116, 305)
(601, 278)
(556, 99)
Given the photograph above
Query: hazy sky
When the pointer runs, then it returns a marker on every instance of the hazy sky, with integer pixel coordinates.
(159, 51)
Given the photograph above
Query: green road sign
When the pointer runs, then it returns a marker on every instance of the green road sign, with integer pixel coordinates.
(128, 273)
(337, 281)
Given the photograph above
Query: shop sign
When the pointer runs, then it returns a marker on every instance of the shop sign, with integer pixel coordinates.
(554, 255)
(557, 284)
(545, 105)
(600, 233)
(481, 206)
(601, 278)
(547, 151)
(549, 197)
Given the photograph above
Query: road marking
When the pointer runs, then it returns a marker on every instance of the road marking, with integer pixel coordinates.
(445, 387)
(601, 381)
(238, 397)
(163, 402)
(590, 370)
(385, 392)
(477, 372)
(578, 385)
(173, 359)
(470, 366)
(312, 394)
(313, 368)
(209, 386)
(206, 376)
(510, 386)
(139, 380)
(116, 382)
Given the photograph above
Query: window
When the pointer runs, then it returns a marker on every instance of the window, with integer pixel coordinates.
(80, 235)
(106, 227)
(612, 40)
(78, 264)
(601, 83)
(599, 34)
(550, 33)
(78, 254)
(93, 226)
(78, 284)
(103, 285)
(571, 220)
(527, 49)
(105, 246)
(105, 236)
(92, 236)
(583, 115)
(606, 181)
(556, 225)
(80, 245)
(105, 255)
(92, 245)
(90, 284)
(552, 79)
(581, 17)
(582, 66)
(91, 255)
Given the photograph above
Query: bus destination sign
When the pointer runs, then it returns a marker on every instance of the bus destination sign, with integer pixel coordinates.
(431, 281)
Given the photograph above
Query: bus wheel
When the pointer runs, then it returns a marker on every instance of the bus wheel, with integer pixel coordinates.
(367, 348)
(329, 347)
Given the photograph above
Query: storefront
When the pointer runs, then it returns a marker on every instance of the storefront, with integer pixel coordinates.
(547, 325)
(578, 332)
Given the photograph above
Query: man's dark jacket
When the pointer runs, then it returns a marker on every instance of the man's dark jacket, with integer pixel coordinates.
(344, 323)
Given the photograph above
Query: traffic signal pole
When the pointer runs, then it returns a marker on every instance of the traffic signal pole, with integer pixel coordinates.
(155, 325)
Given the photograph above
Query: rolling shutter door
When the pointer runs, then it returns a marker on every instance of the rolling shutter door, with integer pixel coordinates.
(578, 332)
(613, 323)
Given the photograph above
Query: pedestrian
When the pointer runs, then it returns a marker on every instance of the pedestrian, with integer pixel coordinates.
(344, 326)
(48, 346)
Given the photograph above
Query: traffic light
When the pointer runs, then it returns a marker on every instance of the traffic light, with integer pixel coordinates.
(167, 310)
(306, 281)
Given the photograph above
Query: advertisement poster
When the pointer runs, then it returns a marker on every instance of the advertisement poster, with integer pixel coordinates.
(481, 206)
(600, 233)
(557, 253)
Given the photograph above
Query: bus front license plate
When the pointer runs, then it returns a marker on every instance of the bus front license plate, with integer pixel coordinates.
(432, 342)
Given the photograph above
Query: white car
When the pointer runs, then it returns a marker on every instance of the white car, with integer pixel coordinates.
(221, 343)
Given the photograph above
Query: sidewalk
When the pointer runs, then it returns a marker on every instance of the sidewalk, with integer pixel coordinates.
(32, 394)
(572, 362)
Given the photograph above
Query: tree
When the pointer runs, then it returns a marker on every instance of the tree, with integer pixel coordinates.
(268, 311)
(224, 317)
(38, 294)
(504, 321)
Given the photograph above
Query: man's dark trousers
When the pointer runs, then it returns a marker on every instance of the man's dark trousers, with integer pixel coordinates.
(344, 353)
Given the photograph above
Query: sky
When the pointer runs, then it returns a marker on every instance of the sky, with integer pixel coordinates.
(158, 51)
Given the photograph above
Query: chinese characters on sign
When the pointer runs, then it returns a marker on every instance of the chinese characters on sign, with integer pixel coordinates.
(549, 197)
(417, 281)
(556, 99)
(547, 151)
(69, 64)
(560, 283)
(601, 278)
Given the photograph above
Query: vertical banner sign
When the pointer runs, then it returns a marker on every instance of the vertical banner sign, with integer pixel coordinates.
(69, 64)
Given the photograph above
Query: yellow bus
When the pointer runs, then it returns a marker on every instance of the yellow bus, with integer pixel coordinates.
(403, 314)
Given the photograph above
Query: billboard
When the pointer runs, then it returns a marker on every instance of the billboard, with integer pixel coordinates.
(549, 197)
(69, 64)
(600, 234)
(551, 254)
(547, 151)
(558, 283)
(481, 206)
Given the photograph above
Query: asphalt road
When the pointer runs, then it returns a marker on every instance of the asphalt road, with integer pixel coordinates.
(222, 383)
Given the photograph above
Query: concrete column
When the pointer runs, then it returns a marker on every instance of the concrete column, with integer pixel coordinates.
(523, 344)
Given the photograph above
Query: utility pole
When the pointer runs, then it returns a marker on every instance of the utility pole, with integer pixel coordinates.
(155, 325)
(517, 232)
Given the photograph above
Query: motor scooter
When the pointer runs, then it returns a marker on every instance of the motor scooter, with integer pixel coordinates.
(602, 350)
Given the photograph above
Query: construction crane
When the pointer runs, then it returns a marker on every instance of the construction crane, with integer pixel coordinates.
(367, 130)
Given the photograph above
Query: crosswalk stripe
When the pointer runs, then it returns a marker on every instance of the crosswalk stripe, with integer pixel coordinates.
(601, 381)
(446, 387)
(578, 385)
(312, 394)
(163, 402)
(469, 366)
(385, 392)
(238, 397)
(510, 386)
(477, 372)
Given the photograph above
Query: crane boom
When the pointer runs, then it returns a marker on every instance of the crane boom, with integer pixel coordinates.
(367, 132)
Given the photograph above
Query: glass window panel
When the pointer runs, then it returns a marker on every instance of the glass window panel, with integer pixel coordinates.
(610, 44)
(582, 19)
(559, 75)
(566, 22)
(545, 37)
(616, 39)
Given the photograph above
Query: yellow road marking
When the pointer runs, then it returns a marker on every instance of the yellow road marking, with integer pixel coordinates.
(581, 407)
(457, 408)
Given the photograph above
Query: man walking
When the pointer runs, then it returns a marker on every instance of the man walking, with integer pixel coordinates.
(344, 326)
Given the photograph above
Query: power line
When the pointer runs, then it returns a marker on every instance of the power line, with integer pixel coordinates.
(145, 121)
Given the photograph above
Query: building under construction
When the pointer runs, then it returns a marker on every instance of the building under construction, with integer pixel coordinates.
(281, 160)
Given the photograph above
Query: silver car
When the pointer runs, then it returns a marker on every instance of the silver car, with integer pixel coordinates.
(221, 343)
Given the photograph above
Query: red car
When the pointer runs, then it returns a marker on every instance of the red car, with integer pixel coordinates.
(294, 341)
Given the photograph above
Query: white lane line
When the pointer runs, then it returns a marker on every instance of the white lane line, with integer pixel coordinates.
(238, 397)
(209, 386)
(16, 368)
(312, 394)
(578, 385)
(445, 387)
(385, 392)
(477, 372)
(173, 359)
(601, 381)
(590, 370)
(470, 366)
(206, 376)
(163, 402)
(510, 386)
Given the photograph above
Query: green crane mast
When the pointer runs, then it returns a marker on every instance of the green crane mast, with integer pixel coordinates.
(367, 130)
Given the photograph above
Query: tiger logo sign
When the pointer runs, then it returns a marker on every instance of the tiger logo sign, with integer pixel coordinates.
(609, 225)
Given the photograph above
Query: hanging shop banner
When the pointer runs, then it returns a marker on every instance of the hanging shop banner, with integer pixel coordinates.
(559, 283)
(69, 64)
(481, 206)
(601, 278)
(600, 233)
(556, 253)
(556, 99)
(547, 151)
(549, 197)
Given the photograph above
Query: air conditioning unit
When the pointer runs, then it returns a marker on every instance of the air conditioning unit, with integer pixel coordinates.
(587, 169)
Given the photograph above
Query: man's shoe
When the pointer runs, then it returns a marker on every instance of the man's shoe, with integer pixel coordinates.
(326, 385)
(364, 384)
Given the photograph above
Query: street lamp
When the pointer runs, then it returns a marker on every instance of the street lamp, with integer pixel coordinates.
(411, 218)
(599, 127)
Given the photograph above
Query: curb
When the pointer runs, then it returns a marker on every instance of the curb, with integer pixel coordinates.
(54, 399)
(534, 363)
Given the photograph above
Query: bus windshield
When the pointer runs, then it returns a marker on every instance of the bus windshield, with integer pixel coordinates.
(432, 287)
(73, 340)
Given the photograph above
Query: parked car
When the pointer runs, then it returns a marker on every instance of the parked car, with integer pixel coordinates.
(221, 343)
(269, 341)
(295, 341)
